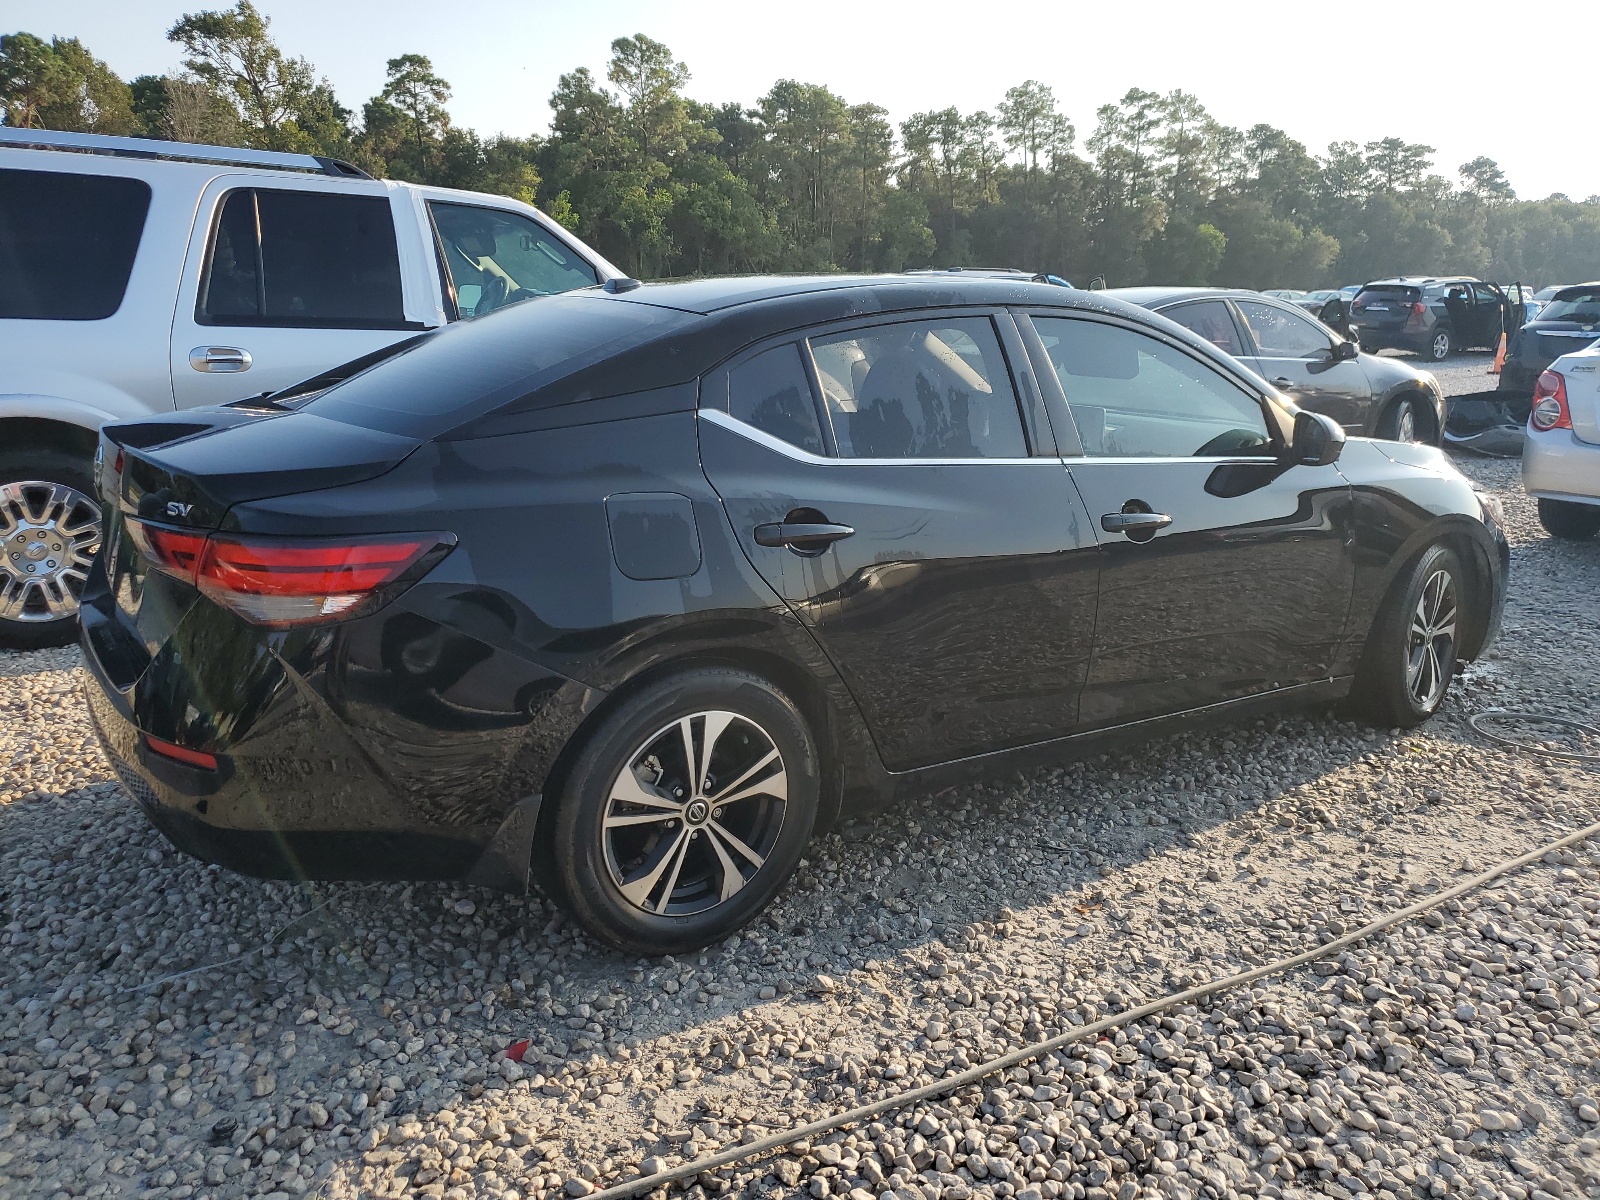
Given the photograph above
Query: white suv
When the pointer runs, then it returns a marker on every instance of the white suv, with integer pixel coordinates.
(141, 276)
(1561, 454)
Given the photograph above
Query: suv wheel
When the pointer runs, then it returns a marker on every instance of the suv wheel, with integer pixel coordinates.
(1441, 345)
(49, 532)
(1400, 424)
(1574, 522)
(684, 813)
(1411, 653)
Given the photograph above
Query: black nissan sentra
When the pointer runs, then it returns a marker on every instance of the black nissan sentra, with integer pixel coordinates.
(630, 591)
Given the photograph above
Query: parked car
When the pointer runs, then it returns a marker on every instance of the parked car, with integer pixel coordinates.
(1313, 302)
(140, 276)
(1523, 294)
(1568, 321)
(1561, 453)
(1013, 273)
(1289, 294)
(1306, 361)
(642, 585)
(1432, 317)
(1546, 294)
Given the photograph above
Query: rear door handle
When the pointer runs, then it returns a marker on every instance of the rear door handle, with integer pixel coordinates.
(220, 359)
(1132, 523)
(804, 537)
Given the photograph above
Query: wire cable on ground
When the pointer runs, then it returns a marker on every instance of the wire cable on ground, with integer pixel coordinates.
(1508, 714)
(952, 1083)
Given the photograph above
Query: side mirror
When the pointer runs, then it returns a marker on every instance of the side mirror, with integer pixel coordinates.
(1318, 440)
(1345, 351)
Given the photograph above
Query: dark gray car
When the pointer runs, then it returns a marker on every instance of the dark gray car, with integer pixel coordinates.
(1433, 317)
(1306, 361)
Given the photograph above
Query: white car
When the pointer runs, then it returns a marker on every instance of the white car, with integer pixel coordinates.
(1561, 454)
(139, 276)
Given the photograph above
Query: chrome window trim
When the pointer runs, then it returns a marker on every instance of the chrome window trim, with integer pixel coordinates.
(762, 438)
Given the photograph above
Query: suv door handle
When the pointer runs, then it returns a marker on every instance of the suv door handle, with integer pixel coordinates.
(1134, 523)
(803, 537)
(220, 359)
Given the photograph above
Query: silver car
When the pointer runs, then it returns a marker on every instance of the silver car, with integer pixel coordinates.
(1561, 454)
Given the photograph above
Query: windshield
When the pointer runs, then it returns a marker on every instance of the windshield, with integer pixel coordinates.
(1578, 304)
(476, 367)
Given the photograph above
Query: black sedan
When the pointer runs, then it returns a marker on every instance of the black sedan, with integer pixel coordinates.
(631, 590)
(1306, 361)
(1569, 321)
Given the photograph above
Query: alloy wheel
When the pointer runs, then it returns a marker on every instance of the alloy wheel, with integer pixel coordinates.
(48, 535)
(1406, 426)
(1441, 346)
(1430, 644)
(694, 813)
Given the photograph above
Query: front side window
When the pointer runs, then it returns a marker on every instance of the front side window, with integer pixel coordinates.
(771, 393)
(1134, 396)
(1283, 334)
(495, 257)
(1211, 320)
(1486, 296)
(303, 259)
(67, 243)
(920, 389)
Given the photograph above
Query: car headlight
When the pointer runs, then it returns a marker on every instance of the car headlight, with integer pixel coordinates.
(1492, 508)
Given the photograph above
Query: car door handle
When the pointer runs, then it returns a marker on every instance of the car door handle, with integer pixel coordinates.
(802, 536)
(1132, 523)
(220, 359)
(1283, 381)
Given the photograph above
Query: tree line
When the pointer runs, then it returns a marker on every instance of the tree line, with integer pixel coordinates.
(1158, 191)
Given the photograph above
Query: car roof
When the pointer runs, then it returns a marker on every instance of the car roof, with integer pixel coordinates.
(874, 293)
(1414, 280)
(1150, 297)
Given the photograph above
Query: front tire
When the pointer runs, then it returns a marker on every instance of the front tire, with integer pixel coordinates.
(1411, 653)
(1569, 521)
(684, 813)
(49, 532)
(1440, 345)
(1401, 423)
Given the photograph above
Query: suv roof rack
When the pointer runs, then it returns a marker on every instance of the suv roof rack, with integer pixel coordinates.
(132, 147)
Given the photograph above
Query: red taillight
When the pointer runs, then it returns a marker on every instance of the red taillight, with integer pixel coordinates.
(1418, 308)
(189, 758)
(291, 581)
(1550, 403)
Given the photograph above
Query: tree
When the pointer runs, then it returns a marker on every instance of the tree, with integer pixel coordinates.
(61, 85)
(420, 96)
(1484, 180)
(277, 98)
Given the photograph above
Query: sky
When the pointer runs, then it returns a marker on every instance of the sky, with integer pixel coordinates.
(1321, 72)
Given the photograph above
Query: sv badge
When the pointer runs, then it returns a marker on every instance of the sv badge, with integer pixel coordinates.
(176, 508)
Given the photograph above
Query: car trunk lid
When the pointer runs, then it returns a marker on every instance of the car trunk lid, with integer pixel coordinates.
(1582, 374)
(1383, 307)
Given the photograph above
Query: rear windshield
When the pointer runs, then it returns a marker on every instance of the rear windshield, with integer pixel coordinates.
(1575, 304)
(1386, 295)
(476, 367)
(67, 243)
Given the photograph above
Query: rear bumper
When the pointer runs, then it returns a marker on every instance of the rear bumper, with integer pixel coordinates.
(1558, 465)
(319, 776)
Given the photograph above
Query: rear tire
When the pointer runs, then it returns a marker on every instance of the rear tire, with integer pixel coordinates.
(1569, 521)
(1440, 345)
(50, 521)
(1402, 423)
(643, 853)
(1411, 653)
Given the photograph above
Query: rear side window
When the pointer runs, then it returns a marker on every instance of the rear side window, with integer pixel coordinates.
(920, 389)
(67, 243)
(1211, 320)
(309, 260)
(771, 393)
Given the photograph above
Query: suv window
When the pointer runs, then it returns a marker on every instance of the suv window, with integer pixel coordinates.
(1211, 320)
(67, 243)
(1279, 333)
(496, 257)
(1486, 295)
(920, 389)
(771, 393)
(1134, 396)
(300, 259)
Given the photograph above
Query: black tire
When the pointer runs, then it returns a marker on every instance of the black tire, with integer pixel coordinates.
(585, 866)
(35, 629)
(1387, 691)
(1440, 345)
(1394, 425)
(1572, 522)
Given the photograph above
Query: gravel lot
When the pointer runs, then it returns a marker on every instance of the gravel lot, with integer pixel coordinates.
(360, 1051)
